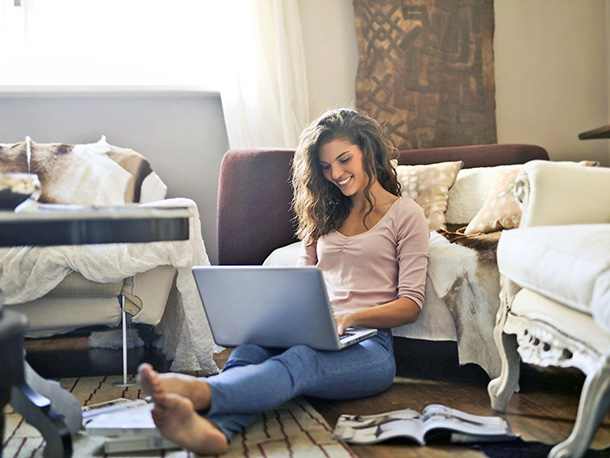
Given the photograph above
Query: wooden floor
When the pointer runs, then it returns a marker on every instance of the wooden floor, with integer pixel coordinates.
(544, 410)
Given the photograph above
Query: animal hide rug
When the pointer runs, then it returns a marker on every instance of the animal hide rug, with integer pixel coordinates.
(464, 273)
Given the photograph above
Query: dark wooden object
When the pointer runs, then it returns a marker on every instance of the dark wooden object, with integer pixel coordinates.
(600, 132)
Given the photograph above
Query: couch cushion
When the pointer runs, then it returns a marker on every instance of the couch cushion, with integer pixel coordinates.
(470, 191)
(569, 264)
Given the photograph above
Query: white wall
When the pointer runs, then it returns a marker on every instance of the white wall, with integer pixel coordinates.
(181, 133)
(552, 67)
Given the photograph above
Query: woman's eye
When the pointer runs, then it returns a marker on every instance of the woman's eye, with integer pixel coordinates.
(343, 161)
(325, 167)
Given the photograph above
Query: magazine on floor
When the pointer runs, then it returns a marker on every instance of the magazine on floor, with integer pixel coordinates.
(127, 426)
(436, 424)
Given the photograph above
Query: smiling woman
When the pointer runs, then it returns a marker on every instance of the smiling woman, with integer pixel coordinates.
(110, 42)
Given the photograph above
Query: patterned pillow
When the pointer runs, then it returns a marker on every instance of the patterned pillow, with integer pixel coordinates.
(429, 185)
(501, 209)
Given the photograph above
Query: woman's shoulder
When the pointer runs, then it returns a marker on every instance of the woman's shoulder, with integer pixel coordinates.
(409, 213)
(405, 204)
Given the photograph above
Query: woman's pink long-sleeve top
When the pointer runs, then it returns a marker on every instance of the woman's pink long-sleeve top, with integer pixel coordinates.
(378, 266)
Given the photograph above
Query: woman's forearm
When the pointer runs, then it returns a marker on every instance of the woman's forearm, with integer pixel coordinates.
(396, 313)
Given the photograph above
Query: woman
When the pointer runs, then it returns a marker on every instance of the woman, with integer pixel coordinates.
(372, 246)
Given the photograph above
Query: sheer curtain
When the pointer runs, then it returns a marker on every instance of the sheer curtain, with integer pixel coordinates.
(263, 83)
(249, 50)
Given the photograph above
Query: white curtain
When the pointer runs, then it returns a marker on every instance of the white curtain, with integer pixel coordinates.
(263, 83)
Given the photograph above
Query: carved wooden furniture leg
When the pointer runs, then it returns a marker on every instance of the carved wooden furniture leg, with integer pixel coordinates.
(502, 388)
(594, 402)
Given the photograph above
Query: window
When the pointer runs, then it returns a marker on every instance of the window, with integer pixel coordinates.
(110, 42)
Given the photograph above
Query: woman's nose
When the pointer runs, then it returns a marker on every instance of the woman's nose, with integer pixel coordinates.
(336, 171)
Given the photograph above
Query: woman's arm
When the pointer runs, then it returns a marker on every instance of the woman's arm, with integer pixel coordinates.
(395, 313)
(308, 255)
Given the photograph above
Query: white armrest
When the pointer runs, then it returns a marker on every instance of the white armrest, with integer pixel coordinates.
(558, 193)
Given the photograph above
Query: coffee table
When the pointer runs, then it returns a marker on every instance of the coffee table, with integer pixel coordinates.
(66, 225)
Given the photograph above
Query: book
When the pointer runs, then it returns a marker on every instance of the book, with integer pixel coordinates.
(112, 406)
(126, 424)
(436, 424)
(136, 443)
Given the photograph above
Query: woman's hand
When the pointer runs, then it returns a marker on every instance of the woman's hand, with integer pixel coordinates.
(344, 320)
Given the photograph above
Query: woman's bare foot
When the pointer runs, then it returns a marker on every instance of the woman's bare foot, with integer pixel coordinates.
(157, 385)
(178, 422)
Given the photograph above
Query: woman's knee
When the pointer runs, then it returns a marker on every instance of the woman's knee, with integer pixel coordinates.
(247, 354)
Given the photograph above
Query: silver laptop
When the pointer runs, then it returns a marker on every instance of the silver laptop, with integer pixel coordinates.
(276, 307)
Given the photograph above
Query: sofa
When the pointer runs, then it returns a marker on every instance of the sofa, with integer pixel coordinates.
(454, 185)
(555, 293)
(64, 288)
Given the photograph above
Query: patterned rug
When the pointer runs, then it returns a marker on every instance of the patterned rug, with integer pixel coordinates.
(294, 429)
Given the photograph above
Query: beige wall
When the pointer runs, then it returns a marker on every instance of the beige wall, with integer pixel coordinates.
(331, 51)
(552, 62)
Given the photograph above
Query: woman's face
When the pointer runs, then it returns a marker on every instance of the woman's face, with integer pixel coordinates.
(341, 163)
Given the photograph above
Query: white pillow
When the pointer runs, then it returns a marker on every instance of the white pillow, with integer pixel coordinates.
(286, 256)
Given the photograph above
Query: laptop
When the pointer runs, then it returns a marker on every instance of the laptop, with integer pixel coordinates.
(276, 307)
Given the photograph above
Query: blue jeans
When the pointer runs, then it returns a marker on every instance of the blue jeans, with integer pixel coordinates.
(256, 379)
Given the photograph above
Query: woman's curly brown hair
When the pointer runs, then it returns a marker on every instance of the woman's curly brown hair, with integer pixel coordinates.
(319, 205)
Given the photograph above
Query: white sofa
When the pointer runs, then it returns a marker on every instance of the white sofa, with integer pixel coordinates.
(555, 274)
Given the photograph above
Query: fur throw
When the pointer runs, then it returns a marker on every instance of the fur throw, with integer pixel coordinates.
(89, 174)
(464, 273)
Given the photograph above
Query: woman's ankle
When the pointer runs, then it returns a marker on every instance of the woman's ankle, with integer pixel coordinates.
(200, 395)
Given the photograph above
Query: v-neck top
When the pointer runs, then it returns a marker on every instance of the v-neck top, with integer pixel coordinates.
(386, 262)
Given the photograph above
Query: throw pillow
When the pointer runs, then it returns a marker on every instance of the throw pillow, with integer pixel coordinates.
(469, 193)
(429, 185)
(501, 209)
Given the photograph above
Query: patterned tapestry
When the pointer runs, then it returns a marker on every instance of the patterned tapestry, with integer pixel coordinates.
(426, 70)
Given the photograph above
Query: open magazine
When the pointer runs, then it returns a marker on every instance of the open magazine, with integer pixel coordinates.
(437, 423)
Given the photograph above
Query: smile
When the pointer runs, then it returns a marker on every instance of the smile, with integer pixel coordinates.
(344, 182)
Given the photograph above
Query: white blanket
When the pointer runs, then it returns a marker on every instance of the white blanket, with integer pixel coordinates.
(29, 273)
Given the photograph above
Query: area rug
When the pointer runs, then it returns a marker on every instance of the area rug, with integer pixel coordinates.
(292, 430)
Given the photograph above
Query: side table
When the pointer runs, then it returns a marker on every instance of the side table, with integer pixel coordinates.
(66, 225)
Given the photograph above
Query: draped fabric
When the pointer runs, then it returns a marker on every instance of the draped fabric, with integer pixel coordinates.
(263, 83)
